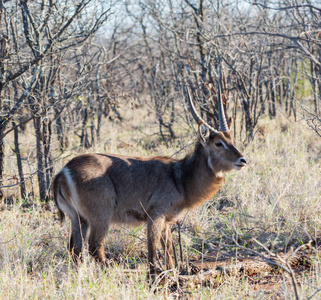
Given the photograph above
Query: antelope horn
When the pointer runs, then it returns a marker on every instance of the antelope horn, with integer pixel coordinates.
(221, 114)
(194, 112)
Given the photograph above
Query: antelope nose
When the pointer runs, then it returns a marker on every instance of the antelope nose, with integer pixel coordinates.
(243, 160)
(240, 163)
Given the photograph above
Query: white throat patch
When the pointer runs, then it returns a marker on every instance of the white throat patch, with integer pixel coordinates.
(219, 174)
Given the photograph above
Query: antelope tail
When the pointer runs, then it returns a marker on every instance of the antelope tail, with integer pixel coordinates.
(57, 193)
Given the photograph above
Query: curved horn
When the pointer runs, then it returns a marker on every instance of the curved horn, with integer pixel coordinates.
(194, 112)
(221, 114)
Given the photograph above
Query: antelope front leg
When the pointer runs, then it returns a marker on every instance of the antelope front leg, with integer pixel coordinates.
(154, 233)
(167, 243)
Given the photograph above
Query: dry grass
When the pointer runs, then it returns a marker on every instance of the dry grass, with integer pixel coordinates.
(275, 200)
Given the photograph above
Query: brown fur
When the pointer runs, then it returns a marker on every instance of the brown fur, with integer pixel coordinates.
(95, 190)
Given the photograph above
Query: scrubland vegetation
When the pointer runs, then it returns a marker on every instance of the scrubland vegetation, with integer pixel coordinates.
(111, 77)
(275, 200)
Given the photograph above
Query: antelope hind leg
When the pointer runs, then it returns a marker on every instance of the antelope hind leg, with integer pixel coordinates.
(78, 235)
(96, 243)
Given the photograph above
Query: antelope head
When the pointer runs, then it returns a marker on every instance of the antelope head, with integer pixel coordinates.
(222, 155)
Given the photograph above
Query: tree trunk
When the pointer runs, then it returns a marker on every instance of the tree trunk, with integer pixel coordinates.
(261, 97)
(288, 87)
(2, 129)
(317, 100)
(248, 118)
(84, 141)
(19, 161)
(40, 164)
(46, 139)
(62, 139)
(272, 98)
(292, 107)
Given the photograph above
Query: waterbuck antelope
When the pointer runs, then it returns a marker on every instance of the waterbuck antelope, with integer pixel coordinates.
(95, 190)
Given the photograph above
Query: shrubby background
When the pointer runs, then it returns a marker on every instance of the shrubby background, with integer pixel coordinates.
(104, 76)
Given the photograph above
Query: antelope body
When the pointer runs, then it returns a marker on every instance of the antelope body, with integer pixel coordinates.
(95, 190)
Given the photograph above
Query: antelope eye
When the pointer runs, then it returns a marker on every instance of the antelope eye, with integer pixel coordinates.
(219, 144)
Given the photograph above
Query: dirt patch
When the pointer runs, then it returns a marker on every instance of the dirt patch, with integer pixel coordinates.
(263, 276)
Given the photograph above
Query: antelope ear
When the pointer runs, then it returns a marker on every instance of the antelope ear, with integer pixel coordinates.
(204, 133)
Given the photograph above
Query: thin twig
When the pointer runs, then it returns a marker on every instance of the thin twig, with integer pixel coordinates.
(20, 182)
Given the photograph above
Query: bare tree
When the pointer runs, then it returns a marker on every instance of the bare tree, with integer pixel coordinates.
(47, 28)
